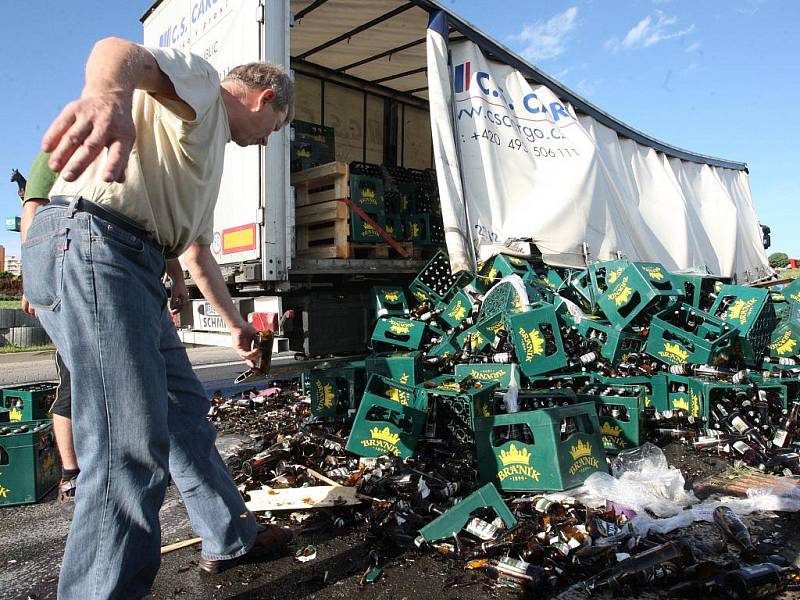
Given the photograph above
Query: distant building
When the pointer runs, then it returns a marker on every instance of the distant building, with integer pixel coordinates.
(13, 264)
(3, 256)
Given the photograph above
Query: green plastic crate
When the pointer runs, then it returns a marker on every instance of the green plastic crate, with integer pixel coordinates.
(29, 402)
(537, 341)
(785, 341)
(363, 232)
(614, 344)
(29, 464)
(386, 427)
(503, 297)
(749, 311)
(696, 395)
(459, 308)
(436, 283)
(697, 287)
(397, 332)
(389, 301)
(367, 192)
(454, 410)
(672, 341)
(418, 228)
(482, 334)
(336, 390)
(570, 381)
(655, 387)
(4, 415)
(623, 431)
(405, 367)
(503, 265)
(640, 288)
(394, 226)
(489, 373)
(792, 293)
(446, 344)
(595, 280)
(527, 451)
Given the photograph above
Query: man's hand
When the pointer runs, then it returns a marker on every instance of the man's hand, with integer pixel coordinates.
(179, 296)
(26, 306)
(85, 127)
(243, 341)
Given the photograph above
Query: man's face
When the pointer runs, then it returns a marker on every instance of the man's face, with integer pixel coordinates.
(262, 119)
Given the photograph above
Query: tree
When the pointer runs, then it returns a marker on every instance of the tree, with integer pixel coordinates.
(778, 260)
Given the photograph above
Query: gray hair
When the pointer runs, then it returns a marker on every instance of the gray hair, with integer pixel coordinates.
(265, 75)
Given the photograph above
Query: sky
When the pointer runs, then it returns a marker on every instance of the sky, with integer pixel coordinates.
(718, 77)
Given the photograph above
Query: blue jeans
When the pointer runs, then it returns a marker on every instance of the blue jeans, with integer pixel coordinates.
(138, 408)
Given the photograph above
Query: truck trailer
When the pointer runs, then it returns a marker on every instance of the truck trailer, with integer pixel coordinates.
(284, 232)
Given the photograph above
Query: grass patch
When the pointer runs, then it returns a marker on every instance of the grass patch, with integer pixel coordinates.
(9, 349)
(789, 273)
(11, 303)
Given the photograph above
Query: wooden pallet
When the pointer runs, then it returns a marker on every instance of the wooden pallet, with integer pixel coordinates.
(386, 251)
(321, 184)
(322, 230)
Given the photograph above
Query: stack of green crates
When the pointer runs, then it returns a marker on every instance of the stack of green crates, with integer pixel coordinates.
(311, 145)
(29, 465)
(366, 192)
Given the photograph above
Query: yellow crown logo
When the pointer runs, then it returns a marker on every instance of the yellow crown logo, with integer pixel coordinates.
(385, 435)
(492, 274)
(327, 395)
(304, 153)
(695, 403)
(391, 295)
(795, 297)
(655, 273)
(459, 311)
(399, 396)
(515, 456)
(622, 293)
(580, 449)
(415, 230)
(674, 353)
(614, 275)
(740, 311)
(399, 327)
(15, 414)
(516, 261)
(532, 342)
(609, 429)
(784, 345)
(496, 327)
(420, 295)
(681, 404)
(367, 194)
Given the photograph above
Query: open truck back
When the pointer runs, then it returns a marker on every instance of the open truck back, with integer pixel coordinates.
(360, 68)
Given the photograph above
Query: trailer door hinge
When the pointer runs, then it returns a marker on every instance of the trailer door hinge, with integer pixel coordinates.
(260, 216)
(260, 12)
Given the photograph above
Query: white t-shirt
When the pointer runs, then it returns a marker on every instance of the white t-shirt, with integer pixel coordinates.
(173, 175)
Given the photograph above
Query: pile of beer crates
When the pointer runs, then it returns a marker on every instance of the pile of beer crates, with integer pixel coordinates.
(542, 372)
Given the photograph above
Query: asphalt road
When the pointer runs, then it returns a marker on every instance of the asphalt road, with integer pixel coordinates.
(32, 537)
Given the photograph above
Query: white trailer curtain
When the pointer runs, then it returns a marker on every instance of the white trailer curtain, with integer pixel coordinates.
(514, 161)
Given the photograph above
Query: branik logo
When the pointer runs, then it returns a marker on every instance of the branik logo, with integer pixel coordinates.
(462, 77)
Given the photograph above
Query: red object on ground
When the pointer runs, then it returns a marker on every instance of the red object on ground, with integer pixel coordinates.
(264, 321)
(793, 262)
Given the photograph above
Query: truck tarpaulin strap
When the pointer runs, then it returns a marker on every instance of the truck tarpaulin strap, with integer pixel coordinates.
(514, 161)
(367, 219)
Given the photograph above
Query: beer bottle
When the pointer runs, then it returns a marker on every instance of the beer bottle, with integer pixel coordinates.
(733, 527)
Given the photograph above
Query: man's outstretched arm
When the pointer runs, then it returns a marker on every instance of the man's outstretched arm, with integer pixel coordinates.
(101, 117)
